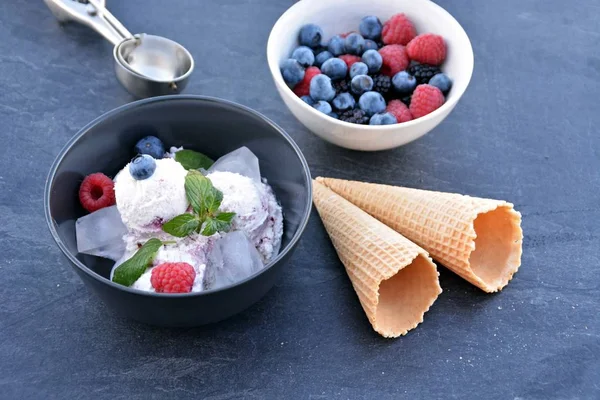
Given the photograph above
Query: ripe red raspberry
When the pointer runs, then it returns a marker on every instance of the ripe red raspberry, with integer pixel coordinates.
(399, 110)
(398, 30)
(394, 58)
(425, 99)
(303, 88)
(427, 49)
(97, 191)
(173, 278)
(349, 59)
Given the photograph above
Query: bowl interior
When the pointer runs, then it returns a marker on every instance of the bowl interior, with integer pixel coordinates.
(339, 16)
(212, 126)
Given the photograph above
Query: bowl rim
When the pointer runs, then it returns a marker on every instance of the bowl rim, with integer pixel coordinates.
(171, 98)
(445, 108)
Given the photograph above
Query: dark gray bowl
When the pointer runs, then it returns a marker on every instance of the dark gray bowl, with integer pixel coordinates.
(206, 124)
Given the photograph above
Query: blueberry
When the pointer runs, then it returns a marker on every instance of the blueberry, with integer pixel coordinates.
(358, 68)
(335, 68)
(323, 106)
(334, 115)
(371, 103)
(370, 27)
(308, 100)
(370, 45)
(373, 60)
(310, 35)
(152, 146)
(142, 167)
(361, 84)
(383, 119)
(336, 45)
(355, 44)
(292, 72)
(304, 56)
(344, 101)
(404, 83)
(442, 82)
(321, 88)
(322, 57)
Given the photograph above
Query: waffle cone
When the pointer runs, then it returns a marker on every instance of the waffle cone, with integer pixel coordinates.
(479, 239)
(395, 280)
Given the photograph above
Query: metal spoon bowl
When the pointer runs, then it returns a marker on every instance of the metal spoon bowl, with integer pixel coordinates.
(146, 65)
(149, 65)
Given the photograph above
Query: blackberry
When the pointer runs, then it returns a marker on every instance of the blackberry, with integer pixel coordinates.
(406, 100)
(341, 86)
(423, 72)
(355, 116)
(382, 84)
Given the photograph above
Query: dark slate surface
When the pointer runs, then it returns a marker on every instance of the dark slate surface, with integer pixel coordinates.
(525, 131)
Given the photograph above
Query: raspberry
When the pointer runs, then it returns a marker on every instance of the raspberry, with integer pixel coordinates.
(398, 30)
(427, 49)
(97, 191)
(394, 58)
(173, 278)
(303, 88)
(399, 110)
(425, 99)
(349, 59)
(355, 116)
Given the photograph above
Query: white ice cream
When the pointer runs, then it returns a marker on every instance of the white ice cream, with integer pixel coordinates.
(257, 212)
(146, 204)
(192, 250)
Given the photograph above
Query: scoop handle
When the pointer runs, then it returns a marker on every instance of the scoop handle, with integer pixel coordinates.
(93, 14)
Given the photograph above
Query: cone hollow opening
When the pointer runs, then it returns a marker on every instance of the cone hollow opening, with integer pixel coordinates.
(497, 253)
(405, 297)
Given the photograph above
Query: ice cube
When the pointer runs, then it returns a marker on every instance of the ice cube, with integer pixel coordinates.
(101, 234)
(232, 259)
(241, 161)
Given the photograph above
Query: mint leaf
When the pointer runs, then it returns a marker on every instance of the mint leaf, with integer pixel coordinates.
(202, 195)
(191, 159)
(212, 198)
(213, 225)
(225, 217)
(196, 185)
(182, 225)
(130, 271)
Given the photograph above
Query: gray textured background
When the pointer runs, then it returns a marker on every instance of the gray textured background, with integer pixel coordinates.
(526, 131)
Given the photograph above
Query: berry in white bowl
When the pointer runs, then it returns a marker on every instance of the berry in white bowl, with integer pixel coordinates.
(349, 28)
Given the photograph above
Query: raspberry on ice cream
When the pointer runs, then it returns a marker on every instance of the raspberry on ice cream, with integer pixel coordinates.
(173, 278)
(146, 204)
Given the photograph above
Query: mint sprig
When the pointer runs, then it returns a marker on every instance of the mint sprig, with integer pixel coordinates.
(191, 159)
(205, 200)
(130, 271)
(182, 225)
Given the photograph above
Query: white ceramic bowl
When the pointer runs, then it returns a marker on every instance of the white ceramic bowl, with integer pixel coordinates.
(339, 16)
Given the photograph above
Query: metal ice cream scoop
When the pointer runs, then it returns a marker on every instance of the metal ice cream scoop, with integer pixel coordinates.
(146, 65)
